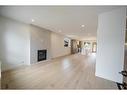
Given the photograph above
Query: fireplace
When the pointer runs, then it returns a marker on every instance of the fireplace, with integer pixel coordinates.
(42, 55)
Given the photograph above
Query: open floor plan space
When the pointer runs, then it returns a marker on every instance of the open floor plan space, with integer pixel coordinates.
(63, 47)
(69, 72)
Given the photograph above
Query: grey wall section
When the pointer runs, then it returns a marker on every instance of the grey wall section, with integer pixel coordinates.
(40, 39)
(14, 43)
(110, 44)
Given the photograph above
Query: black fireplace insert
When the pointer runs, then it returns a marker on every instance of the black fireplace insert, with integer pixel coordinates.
(42, 55)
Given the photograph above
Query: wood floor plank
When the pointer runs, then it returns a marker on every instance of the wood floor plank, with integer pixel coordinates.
(68, 72)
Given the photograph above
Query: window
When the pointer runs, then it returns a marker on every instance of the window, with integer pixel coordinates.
(87, 45)
(94, 46)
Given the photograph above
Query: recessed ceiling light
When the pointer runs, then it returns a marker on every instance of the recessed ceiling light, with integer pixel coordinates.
(82, 25)
(32, 20)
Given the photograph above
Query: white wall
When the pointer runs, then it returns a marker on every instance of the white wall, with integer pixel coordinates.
(40, 38)
(110, 44)
(14, 43)
(57, 45)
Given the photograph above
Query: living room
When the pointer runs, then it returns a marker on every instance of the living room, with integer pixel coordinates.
(60, 43)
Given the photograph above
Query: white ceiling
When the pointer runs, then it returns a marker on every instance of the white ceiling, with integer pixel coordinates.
(67, 19)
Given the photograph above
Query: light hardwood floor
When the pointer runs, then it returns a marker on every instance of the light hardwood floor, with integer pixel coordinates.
(69, 72)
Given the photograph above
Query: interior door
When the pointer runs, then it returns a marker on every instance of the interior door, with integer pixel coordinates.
(110, 44)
